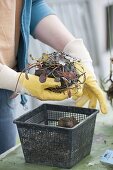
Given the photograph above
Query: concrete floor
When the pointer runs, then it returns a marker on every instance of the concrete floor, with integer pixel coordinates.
(103, 140)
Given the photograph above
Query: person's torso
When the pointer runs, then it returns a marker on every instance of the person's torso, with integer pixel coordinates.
(10, 11)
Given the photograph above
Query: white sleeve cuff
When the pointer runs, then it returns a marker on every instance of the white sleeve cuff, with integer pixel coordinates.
(8, 78)
(77, 49)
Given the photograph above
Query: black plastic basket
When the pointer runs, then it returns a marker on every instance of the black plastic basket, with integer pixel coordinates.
(45, 143)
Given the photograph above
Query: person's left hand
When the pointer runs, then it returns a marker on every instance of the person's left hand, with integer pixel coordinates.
(91, 90)
(89, 97)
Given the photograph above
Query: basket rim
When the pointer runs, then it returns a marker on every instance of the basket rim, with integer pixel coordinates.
(18, 122)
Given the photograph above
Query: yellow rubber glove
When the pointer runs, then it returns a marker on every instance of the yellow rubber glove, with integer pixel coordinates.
(87, 97)
(32, 86)
(90, 89)
(91, 93)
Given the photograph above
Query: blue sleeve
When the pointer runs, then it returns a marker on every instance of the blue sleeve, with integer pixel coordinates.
(40, 9)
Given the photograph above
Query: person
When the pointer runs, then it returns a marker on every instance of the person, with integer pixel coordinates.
(18, 19)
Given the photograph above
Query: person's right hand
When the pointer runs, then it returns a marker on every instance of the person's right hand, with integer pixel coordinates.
(9, 79)
(32, 86)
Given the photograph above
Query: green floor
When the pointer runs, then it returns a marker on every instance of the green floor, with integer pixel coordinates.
(103, 140)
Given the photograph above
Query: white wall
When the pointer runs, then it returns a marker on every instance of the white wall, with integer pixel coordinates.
(99, 16)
